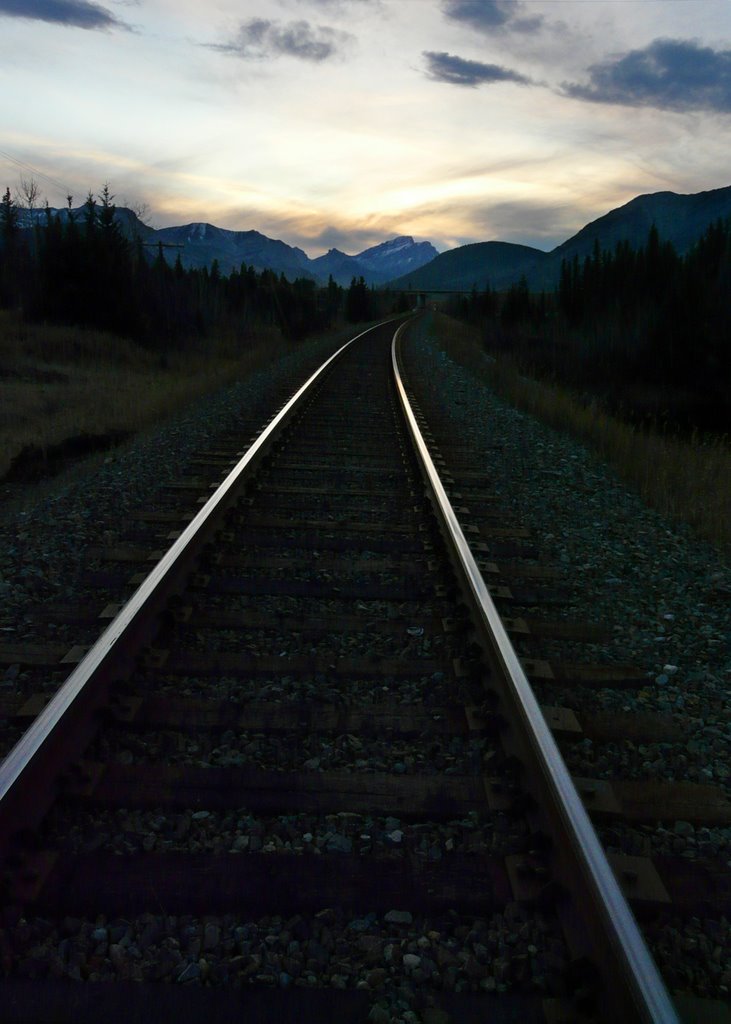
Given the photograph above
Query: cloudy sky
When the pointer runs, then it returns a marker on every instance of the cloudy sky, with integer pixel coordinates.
(346, 122)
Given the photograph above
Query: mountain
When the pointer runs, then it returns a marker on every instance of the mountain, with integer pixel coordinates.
(131, 225)
(473, 266)
(200, 244)
(680, 219)
(390, 259)
(378, 264)
(342, 267)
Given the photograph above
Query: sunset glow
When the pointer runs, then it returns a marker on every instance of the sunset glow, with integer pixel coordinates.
(345, 122)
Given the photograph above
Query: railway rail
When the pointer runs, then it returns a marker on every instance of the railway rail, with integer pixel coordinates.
(302, 773)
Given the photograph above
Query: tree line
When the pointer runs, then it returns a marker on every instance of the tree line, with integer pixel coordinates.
(645, 327)
(81, 269)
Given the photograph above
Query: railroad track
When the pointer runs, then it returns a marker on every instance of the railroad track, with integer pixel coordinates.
(302, 774)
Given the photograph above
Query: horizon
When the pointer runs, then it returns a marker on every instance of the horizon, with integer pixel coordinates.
(383, 241)
(341, 123)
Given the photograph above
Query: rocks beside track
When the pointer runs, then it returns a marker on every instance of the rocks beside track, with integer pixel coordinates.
(312, 752)
(46, 530)
(659, 588)
(664, 595)
(402, 961)
(240, 832)
(433, 690)
(165, 953)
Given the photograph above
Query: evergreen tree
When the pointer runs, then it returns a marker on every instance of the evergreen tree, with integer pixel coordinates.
(517, 305)
(8, 217)
(357, 301)
(8, 250)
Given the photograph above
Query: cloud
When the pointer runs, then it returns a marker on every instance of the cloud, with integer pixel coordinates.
(542, 225)
(672, 74)
(339, 4)
(453, 222)
(77, 13)
(312, 230)
(348, 239)
(492, 15)
(261, 38)
(444, 67)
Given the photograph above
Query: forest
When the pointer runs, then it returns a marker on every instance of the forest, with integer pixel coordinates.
(81, 270)
(646, 330)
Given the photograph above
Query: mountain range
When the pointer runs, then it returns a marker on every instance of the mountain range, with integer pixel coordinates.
(199, 244)
(404, 263)
(379, 264)
(680, 219)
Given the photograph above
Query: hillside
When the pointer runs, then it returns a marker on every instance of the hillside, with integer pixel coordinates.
(680, 219)
(200, 244)
(473, 266)
(404, 263)
(338, 265)
(397, 256)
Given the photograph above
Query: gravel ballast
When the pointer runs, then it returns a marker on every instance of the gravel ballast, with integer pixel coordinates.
(47, 529)
(664, 591)
(665, 595)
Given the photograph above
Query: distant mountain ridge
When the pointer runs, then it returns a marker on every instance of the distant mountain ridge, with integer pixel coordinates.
(680, 219)
(199, 244)
(473, 265)
(377, 264)
(404, 263)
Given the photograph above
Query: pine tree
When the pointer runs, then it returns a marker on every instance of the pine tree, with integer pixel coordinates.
(9, 251)
(357, 301)
(8, 217)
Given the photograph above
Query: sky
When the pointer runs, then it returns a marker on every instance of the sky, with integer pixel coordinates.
(343, 123)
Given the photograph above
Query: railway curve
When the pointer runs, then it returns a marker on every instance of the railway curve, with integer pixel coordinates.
(272, 784)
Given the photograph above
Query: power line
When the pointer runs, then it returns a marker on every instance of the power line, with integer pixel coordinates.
(23, 165)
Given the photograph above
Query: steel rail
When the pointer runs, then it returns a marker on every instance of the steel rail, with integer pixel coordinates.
(26, 774)
(633, 985)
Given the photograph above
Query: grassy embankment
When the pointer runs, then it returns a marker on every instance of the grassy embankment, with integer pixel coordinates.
(60, 382)
(689, 479)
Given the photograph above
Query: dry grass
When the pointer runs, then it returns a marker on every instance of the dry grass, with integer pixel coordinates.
(57, 382)
(687, 479)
